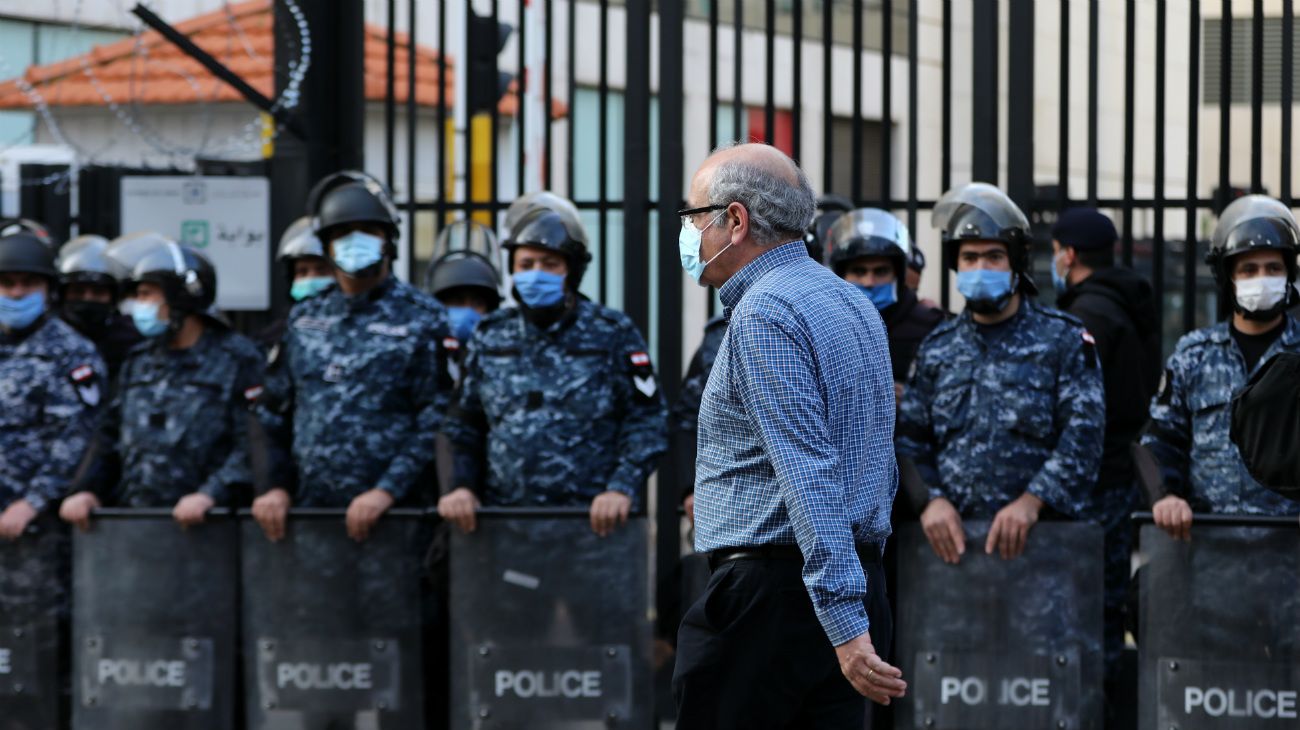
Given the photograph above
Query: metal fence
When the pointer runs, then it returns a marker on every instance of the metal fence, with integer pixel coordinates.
(829, 82)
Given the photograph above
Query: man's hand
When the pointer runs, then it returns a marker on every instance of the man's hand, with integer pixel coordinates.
(870, 675)
(942, 527)
(192, 509)
(15, 519)
(458, 507)
(365, 511)
(271, 511)
(689, 505)
(1174, 516)
(76, 509)
(608, 511)
(1011, 525)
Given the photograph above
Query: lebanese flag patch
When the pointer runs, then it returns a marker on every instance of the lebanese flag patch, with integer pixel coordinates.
(640, 359)
(82, 374)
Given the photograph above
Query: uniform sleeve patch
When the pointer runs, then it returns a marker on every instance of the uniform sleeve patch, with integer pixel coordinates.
(251, 394)
(450, 343)
(1166, 389)
(1088, 338)
(1089, 349)
(640, 359)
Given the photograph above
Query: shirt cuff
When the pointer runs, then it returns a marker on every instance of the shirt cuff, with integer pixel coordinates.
(844, 620)
(37, 501)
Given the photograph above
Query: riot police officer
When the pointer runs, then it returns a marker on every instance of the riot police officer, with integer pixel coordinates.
(177, 429)
(463, 277)
(559, 399)
(308, 270)
(89, 284)
(359, 384)
(51, 384)
(871, 249)
(1003, 416)
(830, 208)
(1253, 257)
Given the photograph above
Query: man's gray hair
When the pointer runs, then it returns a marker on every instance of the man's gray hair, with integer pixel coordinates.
(778, 211)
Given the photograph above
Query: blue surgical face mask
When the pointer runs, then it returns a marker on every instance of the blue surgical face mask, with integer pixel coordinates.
(308, 287)
(145, 316)
(1059, 281)
(357, 251)
(539, 289)
(463, 321)
(688, 248)
(19, 313)
(881, 295)
(985, 290)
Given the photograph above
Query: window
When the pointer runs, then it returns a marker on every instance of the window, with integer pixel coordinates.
(1243, 47)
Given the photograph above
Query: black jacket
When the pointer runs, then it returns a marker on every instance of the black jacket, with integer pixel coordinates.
(1118, 308)
(907, 321)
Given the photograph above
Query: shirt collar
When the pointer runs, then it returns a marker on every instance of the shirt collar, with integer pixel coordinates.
(734, 289)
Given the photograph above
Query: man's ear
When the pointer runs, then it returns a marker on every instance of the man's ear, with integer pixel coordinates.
(737, 222)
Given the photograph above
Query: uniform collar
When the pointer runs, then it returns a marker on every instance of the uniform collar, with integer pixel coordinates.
(1222, 332)
(734, 289)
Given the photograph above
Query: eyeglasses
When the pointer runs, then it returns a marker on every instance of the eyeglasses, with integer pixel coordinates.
(688, 214)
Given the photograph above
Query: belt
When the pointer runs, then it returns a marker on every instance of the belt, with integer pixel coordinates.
(868, 553)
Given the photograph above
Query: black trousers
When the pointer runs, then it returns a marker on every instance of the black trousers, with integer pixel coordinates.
(751, 653)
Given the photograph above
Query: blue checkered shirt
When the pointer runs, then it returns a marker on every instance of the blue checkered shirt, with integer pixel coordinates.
(796, 429)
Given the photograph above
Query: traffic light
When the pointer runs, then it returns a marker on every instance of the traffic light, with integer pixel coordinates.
(486, 82)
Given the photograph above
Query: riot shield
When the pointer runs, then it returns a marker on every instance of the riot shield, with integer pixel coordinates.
(33, 610)
(154, 622)
(332, 627)
(550, 623)
(1219, 628)
(989, 644)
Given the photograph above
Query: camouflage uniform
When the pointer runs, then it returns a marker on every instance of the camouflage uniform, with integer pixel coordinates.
(179, 422)
(559, 415)
(51, 383)
(685, 413)
(985, 422)
(1190, 420)
(356, 391)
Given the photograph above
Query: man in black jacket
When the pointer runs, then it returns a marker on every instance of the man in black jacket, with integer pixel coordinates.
(1118, 308)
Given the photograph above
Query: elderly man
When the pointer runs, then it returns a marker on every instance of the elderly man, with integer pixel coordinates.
(795, 473)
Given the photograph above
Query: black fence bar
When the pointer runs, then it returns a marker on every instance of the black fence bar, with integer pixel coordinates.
(855, 187)
(828, 78)
(737, 69)
(1063, 112)
(411, 127)
(1130, 102)
(603, 158)
(945, 143)
(444, 159)
(913, 67)
(494, 186)
(1193, 153)
(1225, 99)
(886, 97)
(769, 69)
(390, 95)
(521, 75)
(548, 100)
(796, 113)
(1093, 26)
(714, 22)
(636, 183)
(1020, 99)
(1158, 182)
(984, 87)
(1288, 51)
(572, 92)
(1201, 518)
(468, 133)
(1257, 98)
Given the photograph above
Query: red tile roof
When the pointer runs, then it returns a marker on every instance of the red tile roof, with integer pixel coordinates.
(149, 70)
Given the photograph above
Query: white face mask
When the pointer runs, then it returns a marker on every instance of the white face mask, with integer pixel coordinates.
(1260, 293)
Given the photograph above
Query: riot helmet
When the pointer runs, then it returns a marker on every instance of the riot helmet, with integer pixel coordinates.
(1254, 223)
(980, 212)
(545, 228)
(546, 200)
(829, 209)
(128, 249)
(84, 262)
(353, 197)
(10, 226)
(299, 240)
(869, 232)
(22, 251)
(187, 278)
(464, 253)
